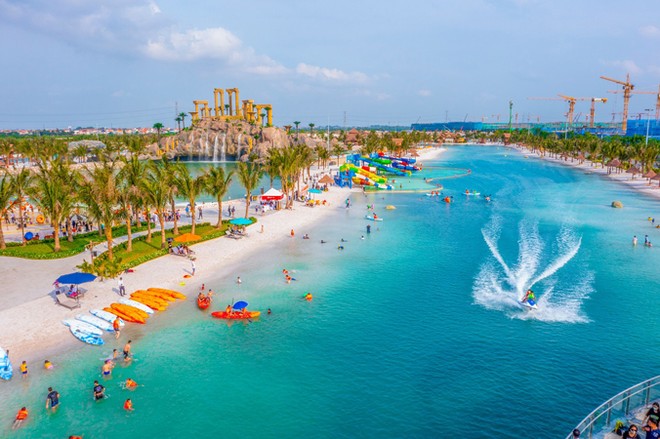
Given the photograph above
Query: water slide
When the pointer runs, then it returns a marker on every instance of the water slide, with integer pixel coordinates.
(383, 167)
(365, 177)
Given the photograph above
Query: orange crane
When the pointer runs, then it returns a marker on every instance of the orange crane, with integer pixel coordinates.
(571, 106)
(592, 112)
(627, 90)
(657, 98)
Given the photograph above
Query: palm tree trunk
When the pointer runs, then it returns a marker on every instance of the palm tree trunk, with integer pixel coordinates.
(161, 219)
(192, 211)
(217, 226)
(247, 204)
(20, 220)
(148, 226)
(129, 233)
(69, 232)
(56, 228)
(3, 245)
(108, 239)
(175, 231)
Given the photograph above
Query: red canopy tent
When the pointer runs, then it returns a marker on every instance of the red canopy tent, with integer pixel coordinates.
(272, 194)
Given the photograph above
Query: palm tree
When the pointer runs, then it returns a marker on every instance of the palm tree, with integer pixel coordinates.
(21, 183)
(183, 116)
(178, 120)
(170, 177)
(249, 174)
(158, 127)
(156, 191)
(337, 150)
(131, 196)
(6, 203)
(100, 193)
(296, 123)
(216, 184)
(311, 129)
(52, 193)
(190, 187)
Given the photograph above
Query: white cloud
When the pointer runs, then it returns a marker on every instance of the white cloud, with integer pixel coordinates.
(424, 92)
(324, 73)
(194, 44)
(627, 66)
(650, 31)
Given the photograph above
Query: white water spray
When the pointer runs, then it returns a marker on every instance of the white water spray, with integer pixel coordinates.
(215, 148)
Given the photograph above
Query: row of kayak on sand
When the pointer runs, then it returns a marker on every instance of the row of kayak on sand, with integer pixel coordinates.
(137, 309)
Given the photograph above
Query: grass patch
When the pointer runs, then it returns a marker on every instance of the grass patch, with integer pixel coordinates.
(144, 251)
(45, 248)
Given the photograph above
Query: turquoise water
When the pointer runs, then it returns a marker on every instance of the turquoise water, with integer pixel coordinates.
(413, 331)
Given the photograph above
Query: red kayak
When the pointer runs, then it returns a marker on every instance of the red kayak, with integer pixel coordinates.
(203, 302)
(235, 315)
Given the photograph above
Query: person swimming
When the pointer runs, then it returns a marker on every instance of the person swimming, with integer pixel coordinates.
(130, 384)
(48, 365)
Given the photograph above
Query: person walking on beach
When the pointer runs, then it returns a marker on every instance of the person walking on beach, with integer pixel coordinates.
(238, 280)
(293, 233)
(192, 266)
(24, 369)
(122, 289)
(52, 399)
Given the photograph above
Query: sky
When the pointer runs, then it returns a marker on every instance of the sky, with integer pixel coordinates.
(131, 63)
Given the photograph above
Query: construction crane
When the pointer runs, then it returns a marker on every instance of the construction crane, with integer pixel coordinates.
(657, 98)
(627, 90)
(592, 112)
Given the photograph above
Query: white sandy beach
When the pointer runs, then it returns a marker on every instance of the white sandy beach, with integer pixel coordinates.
(31, 320)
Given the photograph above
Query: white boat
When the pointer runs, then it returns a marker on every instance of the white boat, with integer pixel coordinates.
(6, 371)
(107, 316)
(136, 304)
(82, 326)
(370, 217)
(93, 320)
(86, 337)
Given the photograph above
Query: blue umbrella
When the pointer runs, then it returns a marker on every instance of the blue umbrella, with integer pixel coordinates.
(315, 191)
(29, 236)
(240, 304)
(240, 222)
(76, 278)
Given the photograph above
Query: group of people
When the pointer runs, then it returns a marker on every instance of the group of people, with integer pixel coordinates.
(203, 297)
(179, 250)
(98, 390)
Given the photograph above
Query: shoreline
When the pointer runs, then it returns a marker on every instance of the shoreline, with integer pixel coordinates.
(33, 329)
(638, 184)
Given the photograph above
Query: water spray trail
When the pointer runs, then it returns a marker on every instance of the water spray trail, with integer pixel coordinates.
(496, 254)
(559, 262)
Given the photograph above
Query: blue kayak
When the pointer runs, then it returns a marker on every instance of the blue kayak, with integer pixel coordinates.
(6, 371)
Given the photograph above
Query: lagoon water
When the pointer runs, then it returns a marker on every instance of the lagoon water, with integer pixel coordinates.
(413, 331)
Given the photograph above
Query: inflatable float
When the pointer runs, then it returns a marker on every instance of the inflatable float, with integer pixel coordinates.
(235, 315)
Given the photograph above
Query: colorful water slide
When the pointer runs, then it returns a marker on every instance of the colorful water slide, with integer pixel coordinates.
(365, 177)
(385, 168)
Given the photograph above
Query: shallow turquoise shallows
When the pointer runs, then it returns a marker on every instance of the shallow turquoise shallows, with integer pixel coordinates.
(413, 332)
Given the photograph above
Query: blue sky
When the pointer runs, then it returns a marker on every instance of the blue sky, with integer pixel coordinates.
(126, 63)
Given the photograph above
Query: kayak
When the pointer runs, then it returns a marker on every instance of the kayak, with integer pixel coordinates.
(135, 304)
(86, 336)
(107, 316)
(235, 315)
(371, 218)
(83, 326)
(6, 371)
(203, 302)
(130, 310)
(172, 293)
(151, 301)
(158, 294)
(123, 316)
(473, 193)
(98, 322)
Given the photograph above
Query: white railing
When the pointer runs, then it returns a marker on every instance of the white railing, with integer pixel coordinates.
(619, 406)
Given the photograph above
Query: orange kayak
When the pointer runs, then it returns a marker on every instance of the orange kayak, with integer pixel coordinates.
(204, 302)
(145, 295)
(160, 295)
(123, 316)
(172, 293)
(157, 306)
(235, 315)
(130, 310)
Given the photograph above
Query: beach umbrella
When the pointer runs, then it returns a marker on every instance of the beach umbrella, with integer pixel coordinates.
(649, 174)
(28, 236)
(657, 177)
(76, 278)
(240, 222)
(187, 237)
(240, 304)
(315, 191)
(326, 179)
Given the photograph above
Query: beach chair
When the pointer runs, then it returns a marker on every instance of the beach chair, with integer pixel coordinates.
(66, 302)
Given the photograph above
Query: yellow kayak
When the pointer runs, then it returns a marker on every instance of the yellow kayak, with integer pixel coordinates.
(130, 310)
(149, 301)
(172, 293)
(163, 296)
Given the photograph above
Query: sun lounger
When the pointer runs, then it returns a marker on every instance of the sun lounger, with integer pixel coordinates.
(66, 302)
